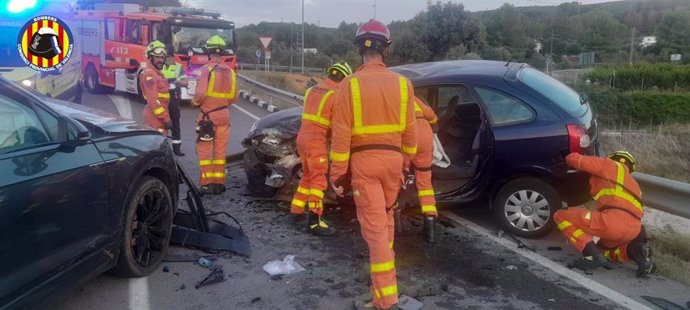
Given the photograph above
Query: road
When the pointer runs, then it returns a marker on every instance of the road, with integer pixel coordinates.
(468, 266)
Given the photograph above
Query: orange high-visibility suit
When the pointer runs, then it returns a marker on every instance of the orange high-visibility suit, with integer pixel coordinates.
(154, 88)
(216, 88)
(374, 135)
(618, 214)
(424, 159)
(311, 145)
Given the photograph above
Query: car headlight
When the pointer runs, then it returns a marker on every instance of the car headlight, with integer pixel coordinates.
(28, 83)
(271, 140)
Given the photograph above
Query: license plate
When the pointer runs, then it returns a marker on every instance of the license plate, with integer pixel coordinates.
(191, 87)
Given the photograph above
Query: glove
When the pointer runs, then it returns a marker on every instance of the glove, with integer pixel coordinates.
(169, 125)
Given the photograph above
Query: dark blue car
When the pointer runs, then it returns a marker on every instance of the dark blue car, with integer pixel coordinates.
(506, 128)
(81, 192)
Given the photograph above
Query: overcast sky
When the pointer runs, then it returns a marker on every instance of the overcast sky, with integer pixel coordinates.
(329, 13)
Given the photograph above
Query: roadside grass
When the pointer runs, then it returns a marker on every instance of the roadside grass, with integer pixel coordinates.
(292, 82)
(662, 151)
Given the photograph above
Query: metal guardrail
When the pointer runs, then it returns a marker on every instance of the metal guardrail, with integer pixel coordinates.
(658, 193)
(665, 195)
(270, 94)
(274, 68)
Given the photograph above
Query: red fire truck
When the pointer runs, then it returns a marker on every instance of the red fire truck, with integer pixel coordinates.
(115, 35)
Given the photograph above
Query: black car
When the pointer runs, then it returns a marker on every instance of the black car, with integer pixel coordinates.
(81, 192)
(506, 128)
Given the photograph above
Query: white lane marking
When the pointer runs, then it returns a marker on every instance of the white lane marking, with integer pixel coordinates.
(139, 294)
(585, 282)
(123, 105)
(245, 111)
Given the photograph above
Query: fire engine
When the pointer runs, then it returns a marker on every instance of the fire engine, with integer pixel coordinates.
(115, 35)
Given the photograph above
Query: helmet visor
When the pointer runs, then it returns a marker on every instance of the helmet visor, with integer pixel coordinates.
(158, 51)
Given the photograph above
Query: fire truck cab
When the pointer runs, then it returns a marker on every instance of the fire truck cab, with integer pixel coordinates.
(115, 37)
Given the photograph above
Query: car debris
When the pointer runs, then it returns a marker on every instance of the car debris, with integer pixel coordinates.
(520, 243)
(554, 248)
(203, 261)
(511, 267)
(255, 300)
(287, 266)
(194, 229)
(217, 275)
(166, 269)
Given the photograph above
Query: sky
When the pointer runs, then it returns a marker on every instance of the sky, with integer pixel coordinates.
(329, 13)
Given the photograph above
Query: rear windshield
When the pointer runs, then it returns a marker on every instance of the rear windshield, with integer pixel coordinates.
(552, 89)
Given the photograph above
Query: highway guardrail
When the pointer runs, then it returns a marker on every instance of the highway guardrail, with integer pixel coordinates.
(274, 68)
(271, 95)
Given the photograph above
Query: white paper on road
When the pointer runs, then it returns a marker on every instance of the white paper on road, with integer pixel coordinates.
(123, 105)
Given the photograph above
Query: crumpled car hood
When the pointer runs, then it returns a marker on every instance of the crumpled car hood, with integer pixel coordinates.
(282, 124)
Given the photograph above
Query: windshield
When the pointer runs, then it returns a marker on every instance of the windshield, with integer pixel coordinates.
(552, 89)
(9, 55)
(185, 38)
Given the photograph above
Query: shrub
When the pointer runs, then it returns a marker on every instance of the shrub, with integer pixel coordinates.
(643, 76)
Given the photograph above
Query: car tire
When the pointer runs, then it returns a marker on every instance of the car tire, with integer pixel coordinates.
(256, 180)
(145, 243)
(524, 207)
(93, 81)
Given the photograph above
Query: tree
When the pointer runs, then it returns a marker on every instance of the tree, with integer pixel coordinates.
(599, 31)
(673, 33)
(507, 28)
(573, 49)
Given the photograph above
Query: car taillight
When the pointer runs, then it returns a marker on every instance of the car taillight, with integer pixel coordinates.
(578, 139)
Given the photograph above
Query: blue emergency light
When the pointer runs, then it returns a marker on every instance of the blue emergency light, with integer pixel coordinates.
(18, 6)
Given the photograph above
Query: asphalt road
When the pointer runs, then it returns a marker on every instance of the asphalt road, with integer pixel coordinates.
(467, 268)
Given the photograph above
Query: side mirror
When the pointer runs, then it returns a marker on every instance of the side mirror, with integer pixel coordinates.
(72, 131)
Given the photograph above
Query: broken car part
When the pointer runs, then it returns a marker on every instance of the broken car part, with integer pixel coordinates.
(216, 276)
(193, 228)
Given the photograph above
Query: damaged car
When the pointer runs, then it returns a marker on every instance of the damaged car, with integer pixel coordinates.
(82, 192)
(506, 128)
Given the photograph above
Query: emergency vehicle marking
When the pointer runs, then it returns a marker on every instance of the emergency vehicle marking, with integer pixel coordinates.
(45, 43)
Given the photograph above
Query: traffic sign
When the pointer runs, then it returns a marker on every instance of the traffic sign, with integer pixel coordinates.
(268, 54)
(265, 41)
(258, 53)
(676, 57)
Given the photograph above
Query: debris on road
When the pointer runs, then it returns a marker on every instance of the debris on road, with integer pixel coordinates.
(554, 248)
(287, 266)
(255, 300)
(552, 300)
(522, 244)
(182, 288)
(166, 268)
(511, 267)
(408, 303)
(216, 276)
(206, 262)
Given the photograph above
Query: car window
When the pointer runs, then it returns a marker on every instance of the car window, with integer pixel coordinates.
(50, 122)
(552, 89)
(449, 97)
(20, 126)
(504, 109)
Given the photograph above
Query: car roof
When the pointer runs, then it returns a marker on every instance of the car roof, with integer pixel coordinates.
(452, 70)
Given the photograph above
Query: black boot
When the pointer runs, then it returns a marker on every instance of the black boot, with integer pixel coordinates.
(176, 149)
(640, 252)
(591, 259)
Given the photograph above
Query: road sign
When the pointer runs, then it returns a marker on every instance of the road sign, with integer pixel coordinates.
(265, 41)
(268, 54)
(675, 57)
(258, 53)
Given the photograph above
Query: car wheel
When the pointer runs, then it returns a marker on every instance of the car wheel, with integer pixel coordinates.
(256, 182)
(147, 229)
(93, 82)
(525, 207)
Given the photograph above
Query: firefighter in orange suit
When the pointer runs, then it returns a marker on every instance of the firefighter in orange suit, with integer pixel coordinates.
(617, 219)
(374, 136)
(422, 162)
(154, 88)
(216, 89)
(312, 144)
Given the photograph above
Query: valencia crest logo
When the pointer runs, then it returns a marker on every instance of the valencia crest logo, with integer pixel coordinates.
(45, 43)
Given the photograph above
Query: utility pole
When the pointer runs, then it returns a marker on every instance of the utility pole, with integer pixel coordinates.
(302, 36)
(551, 53)
(632, 45)
(374, 9)
(291, 43)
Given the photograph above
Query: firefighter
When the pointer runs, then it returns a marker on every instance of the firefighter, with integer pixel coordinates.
(422, 163)
(154, 88)
(616, 220)
(374, 136)
(312, 144)
(216, 89)
(172, 72)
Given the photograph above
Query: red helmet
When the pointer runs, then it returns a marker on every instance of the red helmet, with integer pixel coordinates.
(373, 34)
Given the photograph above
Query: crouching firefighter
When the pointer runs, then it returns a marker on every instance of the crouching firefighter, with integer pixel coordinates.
(422, 163)
(172, 72)
(617, 219)
(154, 88)
(374, 136)
(312, 142)
(216, 89)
